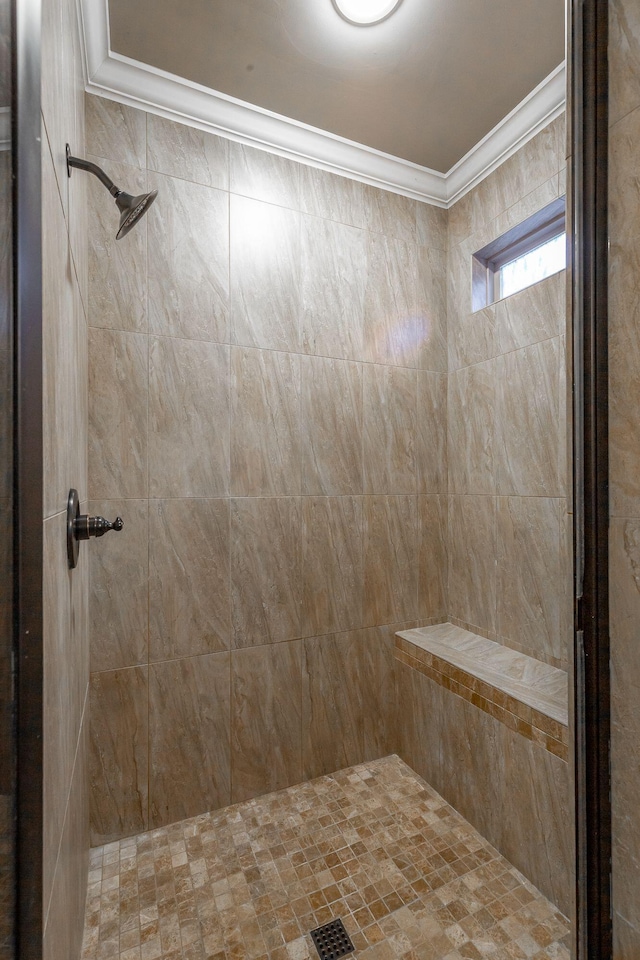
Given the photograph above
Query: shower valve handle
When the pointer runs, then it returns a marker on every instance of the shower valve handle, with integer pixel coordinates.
(80, 526)
(85, 527)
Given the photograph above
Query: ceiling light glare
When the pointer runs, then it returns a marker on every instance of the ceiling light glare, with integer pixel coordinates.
(366, 12)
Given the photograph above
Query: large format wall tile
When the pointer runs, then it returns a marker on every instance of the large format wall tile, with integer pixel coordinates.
(265, 570)
(180, 151)
(119, 763)
(266, 739)
(118, 399)
(536, 313)
(265, 423)
(391, 331)
(188, 229)
(472, 561)
(390, 571)
(119, 579)
(331, 426)
(264, 176)
(624, 198)
(332, 287)
(331, 564)
(624, 59)
(431, 448)
(265, 272)
(115, 131)
(189, 737)
(390, 400)
(327, 195)
(420, 721)
(431, 226)
(530, 580)
(117, 268)
(390, 214)
(188, 418)
(624, 581)
(528, 430)
(535, 162)
(189, 589)
(432, 557)
(624, 390)
(471, 425)
(431, 307)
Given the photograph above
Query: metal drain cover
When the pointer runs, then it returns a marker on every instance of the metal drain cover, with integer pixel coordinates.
(332, 940)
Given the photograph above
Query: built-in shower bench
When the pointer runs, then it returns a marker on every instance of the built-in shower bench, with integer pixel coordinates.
(525, 694)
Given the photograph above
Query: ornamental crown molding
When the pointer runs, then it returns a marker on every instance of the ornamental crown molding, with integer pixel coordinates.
(136, 84)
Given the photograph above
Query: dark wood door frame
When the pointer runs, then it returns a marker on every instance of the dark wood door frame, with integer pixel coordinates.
(588, 126)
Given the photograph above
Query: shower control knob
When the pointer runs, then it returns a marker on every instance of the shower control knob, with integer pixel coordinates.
(80, 526)
(85, 527)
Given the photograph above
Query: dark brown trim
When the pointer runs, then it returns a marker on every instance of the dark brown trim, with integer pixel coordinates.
(28, 470)
(589, 146)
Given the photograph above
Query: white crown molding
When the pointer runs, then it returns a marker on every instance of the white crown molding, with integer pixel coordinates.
(136, 84)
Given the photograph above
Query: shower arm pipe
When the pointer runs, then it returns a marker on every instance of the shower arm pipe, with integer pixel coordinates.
(95, 170)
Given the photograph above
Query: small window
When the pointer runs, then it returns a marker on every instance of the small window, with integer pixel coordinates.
(533, 250)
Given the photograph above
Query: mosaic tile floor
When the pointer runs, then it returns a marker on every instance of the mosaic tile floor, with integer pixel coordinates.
(373, 844)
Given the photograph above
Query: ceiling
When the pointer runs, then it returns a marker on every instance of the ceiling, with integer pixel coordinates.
(425, 85)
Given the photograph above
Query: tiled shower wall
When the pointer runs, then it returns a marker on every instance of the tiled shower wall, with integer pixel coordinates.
(66, 640)
(624, 532)
(508, 561)
(507, 422)
(268, 414)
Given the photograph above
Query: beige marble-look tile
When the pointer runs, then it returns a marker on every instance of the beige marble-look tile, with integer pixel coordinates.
(264, 176)
(332, 580)
(431, 225)
(529, 439)
(533, 164)
(390, 414)
(624, 584)
(431, 446)
(188, 263)
(381, 711)
(471, 412)
(420, 738)
(189, 588)
(117, 268)
(624, 393)
(265, 275)
(472, 565)
(624, 58)
(331, 420)
(535, 833)
(332, 288)
(189, 756)
(471, 335)
(119, 579)
(266, 585)
(472, 759)
(392, 333)
(64, 370)
(188, 415)
(431, 307)
(118, 770)
(537, 313)
(529, 204)
(390, 559)
(624, 191)
(432, 556)
(530, 581)
(472, 212)
(626, 935)
(332, 720)
(326, 195)
(65, 678)
(118, 402)
(115, 131)
(265, 423)
(186, 152)
(390, 214)
(266, 710)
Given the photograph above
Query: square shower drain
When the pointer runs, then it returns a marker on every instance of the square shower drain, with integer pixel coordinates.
(332, 940)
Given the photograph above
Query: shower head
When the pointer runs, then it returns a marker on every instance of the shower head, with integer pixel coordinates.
(131, 208)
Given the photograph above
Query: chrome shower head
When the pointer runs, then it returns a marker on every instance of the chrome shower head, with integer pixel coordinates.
(131, 208)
